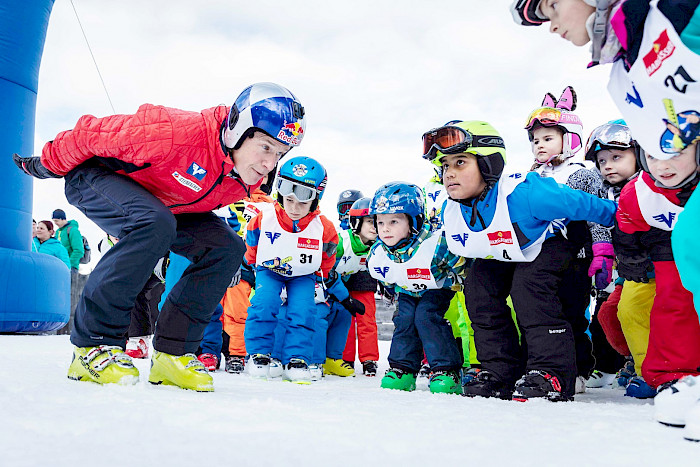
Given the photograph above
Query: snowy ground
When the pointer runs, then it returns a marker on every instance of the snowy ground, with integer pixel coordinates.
(46, 419)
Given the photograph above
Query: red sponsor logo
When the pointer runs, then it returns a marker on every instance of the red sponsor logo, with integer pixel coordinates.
(418, 273)
(309, 243)
(660, 51)
(363, 261)
(496, 238)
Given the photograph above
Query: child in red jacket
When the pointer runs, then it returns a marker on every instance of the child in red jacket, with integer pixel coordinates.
(648, 209)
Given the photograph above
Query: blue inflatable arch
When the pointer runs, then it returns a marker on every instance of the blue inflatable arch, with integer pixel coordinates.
(34, 287)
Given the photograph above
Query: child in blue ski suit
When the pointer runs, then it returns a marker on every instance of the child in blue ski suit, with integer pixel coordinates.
(288, 243)
(511, 224)
(416, 260)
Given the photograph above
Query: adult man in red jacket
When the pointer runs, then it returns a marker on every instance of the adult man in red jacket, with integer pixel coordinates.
(152, 179)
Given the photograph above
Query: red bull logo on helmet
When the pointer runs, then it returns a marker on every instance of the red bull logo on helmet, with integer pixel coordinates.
(660, 51)
(291, 133)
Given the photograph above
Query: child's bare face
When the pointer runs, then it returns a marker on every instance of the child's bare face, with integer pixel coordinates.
(547, 141)
(675, 170)
(392, 228)
(568, 19)
(616, 165)
(461, 176)
(296, 209)
(368, 233)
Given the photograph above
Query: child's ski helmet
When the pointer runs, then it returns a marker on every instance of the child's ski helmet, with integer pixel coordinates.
(400, 198)
(345, 200)
(529, 13)
(358, 210)
(472, 136)
(266, 107)
(559, 114)
(612, 135)
(302, 177)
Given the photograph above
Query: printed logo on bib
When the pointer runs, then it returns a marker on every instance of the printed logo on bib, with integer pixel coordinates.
(434, 195)
(636, 99)
(418, 273)
(279, 265)
(187, 182)
(346, 259)
(463, 238)
(660, 51)
(309, 243)
(666, 220)
(196, 171)
(272, 236)
(501, 236)
(363, 261)
(382, 271)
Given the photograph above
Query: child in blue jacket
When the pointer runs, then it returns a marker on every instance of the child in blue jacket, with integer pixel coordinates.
(513, 225)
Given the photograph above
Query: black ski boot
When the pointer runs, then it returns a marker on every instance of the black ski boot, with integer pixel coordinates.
(486, 384)
(539, 384)
(235, 364)
(369, 368)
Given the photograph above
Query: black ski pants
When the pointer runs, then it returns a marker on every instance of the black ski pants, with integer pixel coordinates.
(147, 230)
(533, 288)
(575, 297)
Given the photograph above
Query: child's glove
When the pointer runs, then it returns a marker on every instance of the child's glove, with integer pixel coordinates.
(601, 266)
(635, 269)
(355, 307)
(33, 166)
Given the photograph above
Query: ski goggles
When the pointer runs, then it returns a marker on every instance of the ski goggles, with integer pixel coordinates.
(546, 116)
(344, 208)
(302, 193)
(615, 135)
(453, 140)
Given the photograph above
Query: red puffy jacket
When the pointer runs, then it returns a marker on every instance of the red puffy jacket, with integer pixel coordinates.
(174, 154)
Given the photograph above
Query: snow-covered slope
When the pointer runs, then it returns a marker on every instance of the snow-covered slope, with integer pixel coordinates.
(46, 419)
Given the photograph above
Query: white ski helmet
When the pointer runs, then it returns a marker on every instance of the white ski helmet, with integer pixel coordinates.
(529, 13)
(266, 107)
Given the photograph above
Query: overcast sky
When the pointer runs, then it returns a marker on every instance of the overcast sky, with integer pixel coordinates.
(372, 75)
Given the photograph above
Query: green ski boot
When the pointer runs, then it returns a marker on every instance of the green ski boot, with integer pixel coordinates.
(399, 379)
(445, 382)
(104, 364)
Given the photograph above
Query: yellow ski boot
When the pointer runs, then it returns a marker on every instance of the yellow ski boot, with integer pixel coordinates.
(338, 367)
(104, 364)
(185, 371)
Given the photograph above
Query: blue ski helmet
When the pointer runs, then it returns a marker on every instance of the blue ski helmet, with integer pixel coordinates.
(302, 177)
(400, 198)
(358, 210)
(266, 107)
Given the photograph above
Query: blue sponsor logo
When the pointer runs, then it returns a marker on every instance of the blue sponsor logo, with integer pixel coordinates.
(461, 238)
(434, 195)
(666, 220)
(196, 171)
(382, 271)
(272, 236)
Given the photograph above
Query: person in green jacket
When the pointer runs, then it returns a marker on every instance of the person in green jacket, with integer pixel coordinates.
(47, 244)
(69, 235)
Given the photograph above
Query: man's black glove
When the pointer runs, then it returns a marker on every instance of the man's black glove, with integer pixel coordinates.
(33, 166)
(635, 270)
(355, 307)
